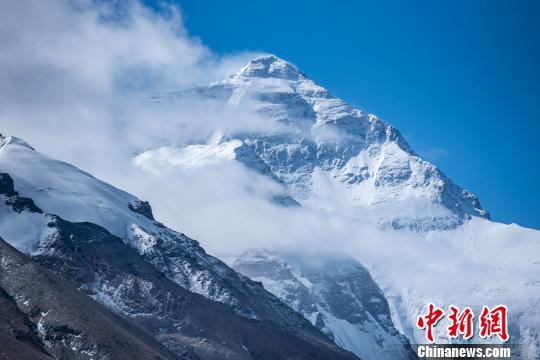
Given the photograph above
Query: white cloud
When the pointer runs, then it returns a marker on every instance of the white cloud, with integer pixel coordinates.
(76, 77)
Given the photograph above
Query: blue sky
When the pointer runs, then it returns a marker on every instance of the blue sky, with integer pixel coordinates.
(460, 79)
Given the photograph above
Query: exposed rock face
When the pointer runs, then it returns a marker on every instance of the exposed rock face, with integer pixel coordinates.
(12, 198)
(142, 207)
(113, 274)
(337, 295)
(18, 335)
(43, 315)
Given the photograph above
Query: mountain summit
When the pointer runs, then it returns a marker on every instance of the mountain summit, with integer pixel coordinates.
(271, 66)
(331, 155)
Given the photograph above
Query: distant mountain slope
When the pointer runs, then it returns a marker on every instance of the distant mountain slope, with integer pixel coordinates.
(160, 280)
(337, 295)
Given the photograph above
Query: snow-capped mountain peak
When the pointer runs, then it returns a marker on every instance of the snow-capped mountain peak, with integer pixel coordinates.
(6, 140)
(331, 155)
(271, 66)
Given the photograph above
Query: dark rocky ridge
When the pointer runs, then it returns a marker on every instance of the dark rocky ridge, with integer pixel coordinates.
(143, 208)
(101, 265)
(12, 198)
(329, 288)
(18, 335)
(12, 349)
(134, 287)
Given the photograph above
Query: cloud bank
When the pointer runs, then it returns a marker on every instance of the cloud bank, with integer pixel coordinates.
(76, 78)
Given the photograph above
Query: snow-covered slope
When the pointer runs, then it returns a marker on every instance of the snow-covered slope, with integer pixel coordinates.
(107, 243)
(436, 242)
(478, 263)
(337, 295)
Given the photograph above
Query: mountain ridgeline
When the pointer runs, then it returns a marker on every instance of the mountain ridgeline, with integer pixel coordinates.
(110, 280)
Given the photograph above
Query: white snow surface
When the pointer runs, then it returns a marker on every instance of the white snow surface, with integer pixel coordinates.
(479, 263)
(62, 189)
(25, 231)
(368, 341)
(192, 156)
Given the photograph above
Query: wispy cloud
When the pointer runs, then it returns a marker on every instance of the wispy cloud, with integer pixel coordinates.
(76, 76)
